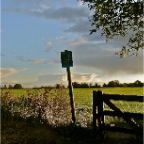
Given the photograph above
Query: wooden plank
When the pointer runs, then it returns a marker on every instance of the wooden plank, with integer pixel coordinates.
(121, 114)
(123, 97)
(94, 111)
(128, 114)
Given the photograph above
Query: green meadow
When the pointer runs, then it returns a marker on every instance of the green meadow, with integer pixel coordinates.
(30, 132)
(83, 96)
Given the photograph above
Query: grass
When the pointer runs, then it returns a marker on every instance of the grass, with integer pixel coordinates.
(21, 132)
(83, 96)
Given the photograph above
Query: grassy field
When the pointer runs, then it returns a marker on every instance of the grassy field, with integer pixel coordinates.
(82, 96)
(26, 133)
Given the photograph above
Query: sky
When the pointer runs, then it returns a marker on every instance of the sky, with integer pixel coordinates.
(35, 32)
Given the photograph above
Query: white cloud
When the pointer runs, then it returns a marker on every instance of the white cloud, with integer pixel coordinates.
(39, 60)
(77, 41)
(61, 38)
(24, 59)
(44, 6)
(83, 77)
(86, 77)
(7, 72)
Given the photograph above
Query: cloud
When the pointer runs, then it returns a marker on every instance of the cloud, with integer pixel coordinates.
(100, 55)
(52, 79)
(36, 61)
(7, 72)
(49, 46)
(81, 26)
(86, 77)
(77, 41)
(23, 59)
(68, 14)
(61, 38)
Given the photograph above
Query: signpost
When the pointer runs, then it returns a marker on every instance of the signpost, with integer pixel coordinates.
(67, 62)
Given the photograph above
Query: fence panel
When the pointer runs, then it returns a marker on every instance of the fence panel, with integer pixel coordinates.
(98, 112)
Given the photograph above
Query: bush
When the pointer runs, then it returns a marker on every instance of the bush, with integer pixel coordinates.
(17, 86)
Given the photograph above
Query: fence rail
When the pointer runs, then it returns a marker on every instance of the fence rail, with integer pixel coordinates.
(99, 112)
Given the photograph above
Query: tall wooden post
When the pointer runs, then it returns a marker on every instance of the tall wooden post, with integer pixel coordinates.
(94, 112)
(71, 95)
(67, 62)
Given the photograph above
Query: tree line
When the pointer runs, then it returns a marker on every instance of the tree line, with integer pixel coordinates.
(114, 83)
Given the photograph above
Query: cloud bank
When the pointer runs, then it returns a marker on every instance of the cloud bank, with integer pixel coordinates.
(4, 72)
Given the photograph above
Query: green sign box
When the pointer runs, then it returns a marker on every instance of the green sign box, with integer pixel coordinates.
(66, 59)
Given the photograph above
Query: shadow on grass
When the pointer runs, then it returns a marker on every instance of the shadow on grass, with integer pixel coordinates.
(17, 130)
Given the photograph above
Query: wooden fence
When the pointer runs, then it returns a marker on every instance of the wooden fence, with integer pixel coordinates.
(99, 113)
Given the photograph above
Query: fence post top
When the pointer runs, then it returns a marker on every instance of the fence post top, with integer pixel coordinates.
(97, 91)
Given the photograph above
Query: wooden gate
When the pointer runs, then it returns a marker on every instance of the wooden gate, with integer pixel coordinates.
(99, 124)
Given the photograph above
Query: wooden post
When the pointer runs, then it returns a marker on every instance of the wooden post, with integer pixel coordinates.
(100, 112)
(71, 95)
(94, 112)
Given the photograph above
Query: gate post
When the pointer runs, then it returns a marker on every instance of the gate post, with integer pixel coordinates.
(98, 111)
(94, 111)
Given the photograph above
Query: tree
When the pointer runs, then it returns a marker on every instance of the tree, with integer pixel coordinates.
(75, 85)
(95, 85)
(114, 83)
(5, 87)
(10, 86)
(17, 86)
(138, 83)
(104, 85)
(117, 18)
(58, 86)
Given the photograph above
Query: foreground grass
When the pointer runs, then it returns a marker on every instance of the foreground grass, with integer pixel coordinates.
(20, 132)
(27, 132)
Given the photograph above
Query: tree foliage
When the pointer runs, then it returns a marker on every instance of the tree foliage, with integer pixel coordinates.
(17, 86)
(117, 18)
(116, 83)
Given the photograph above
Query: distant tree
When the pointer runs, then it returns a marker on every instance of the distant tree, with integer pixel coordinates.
(114, 83)
(84, 85)
(59, 86)
(80, 85)
(76, 85)
(17, 86)
(5, 87)
(96, 85)
(138, 83)
(116, 18)
(10, 86)
(104, 85)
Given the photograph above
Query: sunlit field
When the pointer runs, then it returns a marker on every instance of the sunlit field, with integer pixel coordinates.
(52, 107)
(82, 96)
